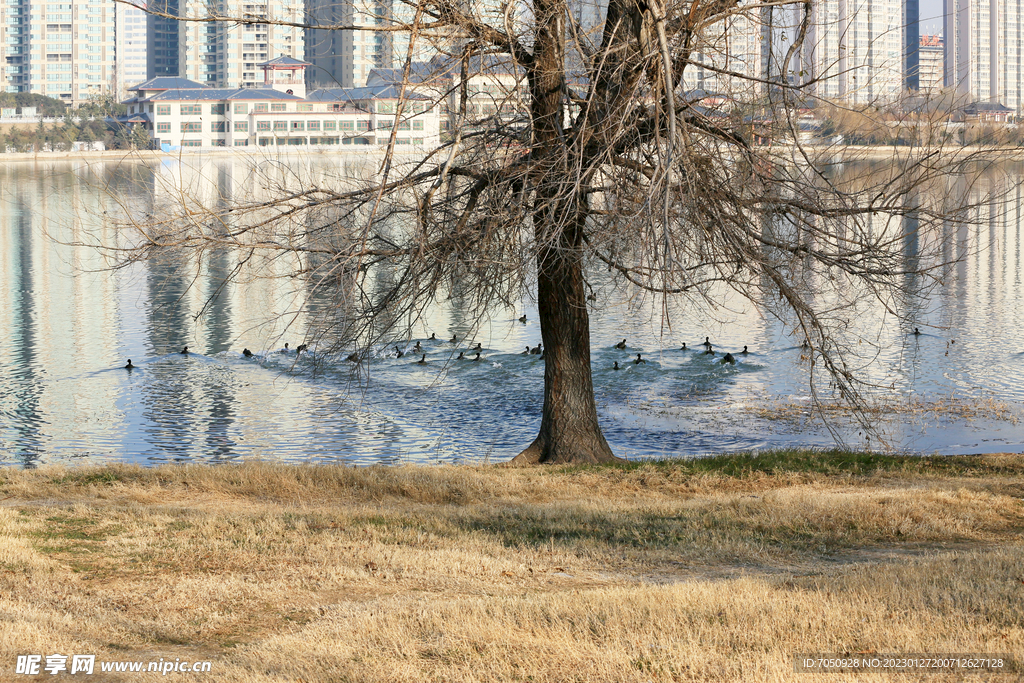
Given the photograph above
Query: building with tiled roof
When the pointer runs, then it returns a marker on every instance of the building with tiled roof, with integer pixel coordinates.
(183, 114)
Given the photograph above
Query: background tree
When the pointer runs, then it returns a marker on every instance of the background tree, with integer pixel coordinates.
(612, 162)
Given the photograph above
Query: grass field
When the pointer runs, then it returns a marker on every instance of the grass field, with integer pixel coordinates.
(718, 569)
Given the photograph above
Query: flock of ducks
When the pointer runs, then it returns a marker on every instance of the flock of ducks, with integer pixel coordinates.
(709, 350)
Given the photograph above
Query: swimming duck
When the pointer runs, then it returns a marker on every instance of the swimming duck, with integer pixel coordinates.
(184, 351)
(683, 348)
(523, 320)
(916, 332)
(462, 356)
(707, 342)
(526, 352)
(477, 347)
(300, 348)
(285, 349)
(129, 365)
(639, 360)
(417, 348)
(399, 351)
(709, 351)
(727, 358)
(453, 340)
(535, 351)
(422, 361)
(744, 351)
(621, 344)
(247, 353)
(433, 337)
(477, 356)
(616, 366)
(353, 357)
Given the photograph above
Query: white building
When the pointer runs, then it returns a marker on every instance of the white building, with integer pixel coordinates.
(63, 50)
(930, 68)
(344, 59)
(854, 51)
(183, 114)
(983, 51)
(740, 45)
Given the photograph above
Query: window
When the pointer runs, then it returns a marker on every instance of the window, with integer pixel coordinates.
(417, 142)
(261, 107)
(363, 125)
(218, 143)
(191, 128)
(312, 125)
(217, 109)
(298, 125)
(241, 143)
(303, 107)
(191, 110)
(163, 110)
(263, 125)
(386, 108)
(346, 125)
(241, 108)
(191, 143)
(278, 106)
(163, 127)
(330, 125)
(403, 125)
(241, 126)
(385, 125)
(401, 141)
(417, 125)
(280, 125)
(219, 127)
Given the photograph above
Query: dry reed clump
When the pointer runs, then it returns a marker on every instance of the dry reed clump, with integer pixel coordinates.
(656, 572)
(945, 407)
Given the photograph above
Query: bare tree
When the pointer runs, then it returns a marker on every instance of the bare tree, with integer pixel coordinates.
(606, 156)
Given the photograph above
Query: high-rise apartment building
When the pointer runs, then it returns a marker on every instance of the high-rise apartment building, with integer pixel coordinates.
(854, 50)
(131, 33)
(225, 54)
(344, 59)
(64, 50)
(930, 71)
(162, 39)
(983, 50)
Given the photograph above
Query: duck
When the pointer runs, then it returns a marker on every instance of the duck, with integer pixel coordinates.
(707, 342)
(400, 352)
(727, 358)
(462, 356)
(433, 337)
(300, 348)
(422, 361)
(453, 340)
(804, 345)
(536, 351)
(621, 344)
(683, 347)
(639, 360)
(477, 356)
(417, 348)
(247, 353)
(616, 366)
(184, 351)
(709, 351)
(477, 348)
(129, 366)
(526, 352)
(744, 351)
(916, 332)
(523, 319)
(353, 357)
(285, 349)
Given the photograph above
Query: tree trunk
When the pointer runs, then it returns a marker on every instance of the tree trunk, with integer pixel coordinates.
(569, 431)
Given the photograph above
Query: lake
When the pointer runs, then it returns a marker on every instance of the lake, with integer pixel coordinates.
(71, 323)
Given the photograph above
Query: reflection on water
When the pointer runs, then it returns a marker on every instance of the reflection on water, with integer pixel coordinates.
(71, 324)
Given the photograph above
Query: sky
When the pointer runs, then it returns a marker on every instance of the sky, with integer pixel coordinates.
(931, 17)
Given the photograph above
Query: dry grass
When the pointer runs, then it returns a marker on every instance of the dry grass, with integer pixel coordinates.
(914, 409)
(655, 572)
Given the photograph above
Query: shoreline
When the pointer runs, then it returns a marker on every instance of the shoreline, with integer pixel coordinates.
(848, 152)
